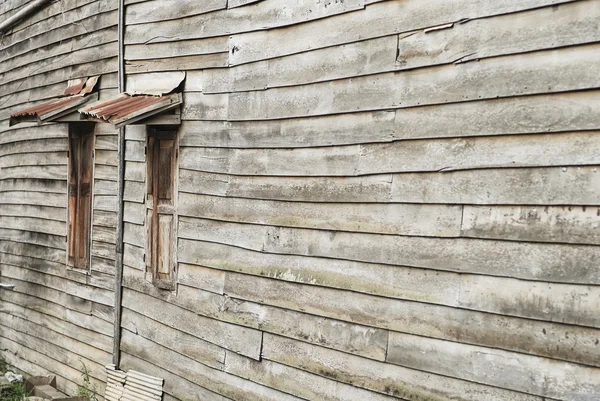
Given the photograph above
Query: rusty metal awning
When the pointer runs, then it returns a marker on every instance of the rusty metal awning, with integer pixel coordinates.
(126, 109)
(77, 94)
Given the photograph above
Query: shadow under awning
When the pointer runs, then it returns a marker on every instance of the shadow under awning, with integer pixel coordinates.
(78, 93)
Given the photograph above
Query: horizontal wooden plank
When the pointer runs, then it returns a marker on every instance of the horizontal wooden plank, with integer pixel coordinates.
(400, 219)
(34, 159)
(348, 337)
(135, 171)
(134, 192)
(542, 301)
(382, 19)
(538, 186)
(265, 15)
(134, 256)
(408, 384)
(104, 187)
(151, 11)
(64, 328)
(237, 338)
(562, 149)
(177, 386)
(525, 336)
(213, 60)
(178, 341)
(135, 151)
(18, 134)
(105, 202)
(299, 383)
(531, 261)
(37, 172)
(176, 49)
(29, 186)
(39, 212)
(105, 219)
(566, 224)
(520, 372)
(561, 70)
(570, 24)
(34, 224)
(212, 379)
(198, 106)
(33, 237)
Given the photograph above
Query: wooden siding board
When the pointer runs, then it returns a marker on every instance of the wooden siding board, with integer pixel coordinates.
(532, 261)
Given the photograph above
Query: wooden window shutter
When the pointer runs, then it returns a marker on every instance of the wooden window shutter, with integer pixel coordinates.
(160, 216)
(81, 151)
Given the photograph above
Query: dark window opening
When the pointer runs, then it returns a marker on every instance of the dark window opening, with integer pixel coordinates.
(81, 162)
(161, 162)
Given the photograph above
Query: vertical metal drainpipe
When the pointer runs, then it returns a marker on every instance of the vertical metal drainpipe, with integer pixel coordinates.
(121, 179)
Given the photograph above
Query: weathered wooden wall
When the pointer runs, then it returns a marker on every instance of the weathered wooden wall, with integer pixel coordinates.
(373, 208)
(55, 319)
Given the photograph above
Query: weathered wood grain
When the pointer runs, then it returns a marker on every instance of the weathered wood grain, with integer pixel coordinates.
(513, 371)
(239, 339)
(152, 11)
(382, 19)
(33, 237)
(211, 379)
(200, 277)
(532, 261)
(348, 337)
(177, 386)
(177, 49)
(198, 106)
(400, 219)
(400, 157)
(39, 212)
(561, 70)
(407, 384)
(297, 382)
(265, 15)
(488, 330)
(213, 60)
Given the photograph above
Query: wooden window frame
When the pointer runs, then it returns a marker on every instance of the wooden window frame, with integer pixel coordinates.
(79, 223)
(157, 206)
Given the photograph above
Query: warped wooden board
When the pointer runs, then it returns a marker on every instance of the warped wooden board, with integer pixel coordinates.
(177, 386)
(178, 341)
(135, 151)
(105, 157)
(105, 172)
(102, 265)
(134, 192)
(566, 224)
(41, 252)
(201, 277)
(237, 338)
(527, 299)
(105, 202)
(408, 384)
(35, 224)
(105, 219)
(32, 237)
(39, 212)
(193, 47)
(198, 106)
(51, 10)
(135, 171)
(88, 339)
(16, 358)
(382, 19)
(104, 187)
(51, 172)
(63, 353)
(103, 250)
(39, 305)
(211, 379)
(558, 112)
(75, 16)
(518, 372)
(265, 15)
(537, 186)
(201, 61)
(104, 312)
(240, 3)
(135, 133)
(105, 67)
(62, 48)
(89, 322)
(530, 261)
(567, 69)
(65, 367)
(38, 146)
(302, 384)
(544, 186)
(133, 256)
(134, 213)
(19, 134)
(565, 149)
(567, 25)
(399, 219)
(154, 11)
(34, 159)
(104, 234)
(347, 337)
(560, 341)
(135, 234)
(105, 142)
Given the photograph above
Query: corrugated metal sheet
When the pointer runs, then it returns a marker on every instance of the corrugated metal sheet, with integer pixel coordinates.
(73, 97)
(125, 109)
(132, 386)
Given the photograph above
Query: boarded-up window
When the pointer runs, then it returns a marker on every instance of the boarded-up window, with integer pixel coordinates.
(81, 162)
(161, 159)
